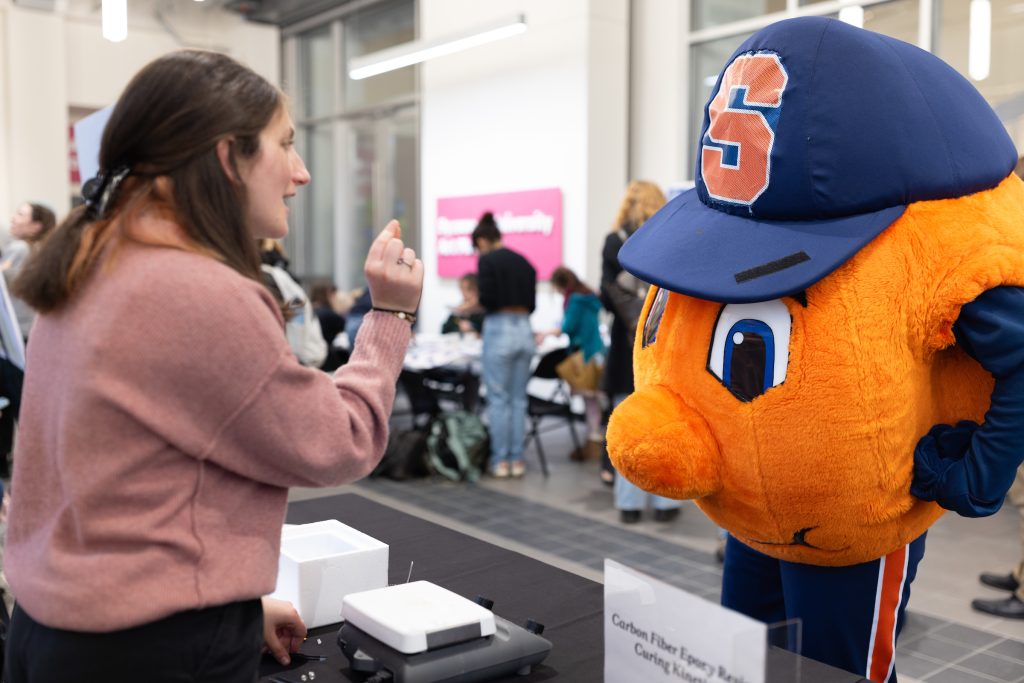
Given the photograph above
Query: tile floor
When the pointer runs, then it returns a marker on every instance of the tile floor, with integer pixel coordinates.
(568, 520)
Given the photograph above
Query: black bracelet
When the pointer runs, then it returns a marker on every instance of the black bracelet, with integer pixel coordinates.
(401, 315)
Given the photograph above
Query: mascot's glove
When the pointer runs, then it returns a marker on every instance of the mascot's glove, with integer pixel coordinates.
(939, 474)
(969, 468)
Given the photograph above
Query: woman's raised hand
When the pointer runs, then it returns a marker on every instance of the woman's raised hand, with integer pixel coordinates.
(393, 273)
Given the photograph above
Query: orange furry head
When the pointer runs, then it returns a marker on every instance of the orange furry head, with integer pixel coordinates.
(817, 467)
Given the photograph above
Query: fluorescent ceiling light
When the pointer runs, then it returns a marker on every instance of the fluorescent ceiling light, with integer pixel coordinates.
(853, 15)
(418, 51)
(115, 20)
(979, 47)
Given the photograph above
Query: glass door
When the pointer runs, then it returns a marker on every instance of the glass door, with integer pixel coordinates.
(379, 181)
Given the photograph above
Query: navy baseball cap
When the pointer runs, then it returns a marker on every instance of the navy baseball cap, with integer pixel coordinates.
(816, 138)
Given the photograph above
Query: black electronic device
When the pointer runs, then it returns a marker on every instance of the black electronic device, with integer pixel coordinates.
(419, 645)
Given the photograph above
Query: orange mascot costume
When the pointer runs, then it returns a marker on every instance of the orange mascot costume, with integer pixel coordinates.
(827, 357)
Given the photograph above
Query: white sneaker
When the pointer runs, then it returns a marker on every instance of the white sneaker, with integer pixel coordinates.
(500, 471)
(518, 468)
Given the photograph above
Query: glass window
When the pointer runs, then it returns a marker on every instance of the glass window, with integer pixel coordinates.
(404, 162)
(1003, 88)
(379, 176)
(706, 61)
(382, 26)
(708, 13)
(317, 69)
(317, 238)
(359, 205)
(359, 145)
(897, 19)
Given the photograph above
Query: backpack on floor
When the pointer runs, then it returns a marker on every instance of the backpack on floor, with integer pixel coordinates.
(458, 446)
(405, 456)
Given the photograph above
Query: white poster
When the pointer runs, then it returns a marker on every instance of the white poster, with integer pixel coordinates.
(657, 632)
(88, 136)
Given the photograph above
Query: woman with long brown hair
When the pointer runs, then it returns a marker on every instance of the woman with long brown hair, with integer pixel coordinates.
(164, 416)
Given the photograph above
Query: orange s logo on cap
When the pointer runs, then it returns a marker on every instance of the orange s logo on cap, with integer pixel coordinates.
(742, 118)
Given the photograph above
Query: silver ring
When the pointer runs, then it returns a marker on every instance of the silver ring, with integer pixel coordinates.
(402, 262)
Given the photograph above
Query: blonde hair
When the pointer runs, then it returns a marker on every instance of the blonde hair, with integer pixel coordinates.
(641, 201)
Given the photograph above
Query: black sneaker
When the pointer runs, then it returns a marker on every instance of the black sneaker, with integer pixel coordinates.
(629, 516)
(1010, 608)
(1003, 582)
(666, 515)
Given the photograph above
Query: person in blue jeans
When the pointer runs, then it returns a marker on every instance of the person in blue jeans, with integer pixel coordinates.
(508, 292)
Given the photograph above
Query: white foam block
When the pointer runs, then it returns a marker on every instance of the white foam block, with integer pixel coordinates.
(416, 617)
(323, 562)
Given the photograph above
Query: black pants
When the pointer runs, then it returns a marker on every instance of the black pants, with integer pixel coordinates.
(11, 379)
(218, 644)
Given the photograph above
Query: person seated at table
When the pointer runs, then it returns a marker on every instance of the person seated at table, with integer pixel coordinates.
(580, 322)
(329, 307)
(467, 317)
(157, 443)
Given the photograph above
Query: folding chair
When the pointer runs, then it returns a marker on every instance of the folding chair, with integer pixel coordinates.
(557, 405)
(431, 392)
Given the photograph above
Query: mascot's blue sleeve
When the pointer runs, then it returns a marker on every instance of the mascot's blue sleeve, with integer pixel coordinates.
(968, 468)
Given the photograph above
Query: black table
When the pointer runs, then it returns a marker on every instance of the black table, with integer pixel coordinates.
(569, 606)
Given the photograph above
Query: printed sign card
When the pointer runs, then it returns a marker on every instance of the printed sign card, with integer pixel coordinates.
(657, 632)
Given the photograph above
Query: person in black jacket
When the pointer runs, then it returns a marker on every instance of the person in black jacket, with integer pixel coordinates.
(508, 292)
(623, 296)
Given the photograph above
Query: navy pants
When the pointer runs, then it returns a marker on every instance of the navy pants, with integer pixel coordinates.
(850, 616)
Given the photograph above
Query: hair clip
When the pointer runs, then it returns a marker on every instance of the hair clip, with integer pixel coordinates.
(101, 191)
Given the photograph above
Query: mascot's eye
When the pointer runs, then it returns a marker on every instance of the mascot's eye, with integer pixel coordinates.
(654, 318)
(750, 347)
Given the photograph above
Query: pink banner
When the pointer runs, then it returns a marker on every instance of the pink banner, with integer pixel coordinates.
(530, 222)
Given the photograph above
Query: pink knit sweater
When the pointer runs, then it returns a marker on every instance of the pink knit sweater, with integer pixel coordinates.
(163, 419)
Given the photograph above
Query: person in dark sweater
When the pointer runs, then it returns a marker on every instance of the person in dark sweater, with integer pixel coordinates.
(508, 292)
(623, 296)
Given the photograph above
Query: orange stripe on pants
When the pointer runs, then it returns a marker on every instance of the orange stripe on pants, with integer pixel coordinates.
(883, 649)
